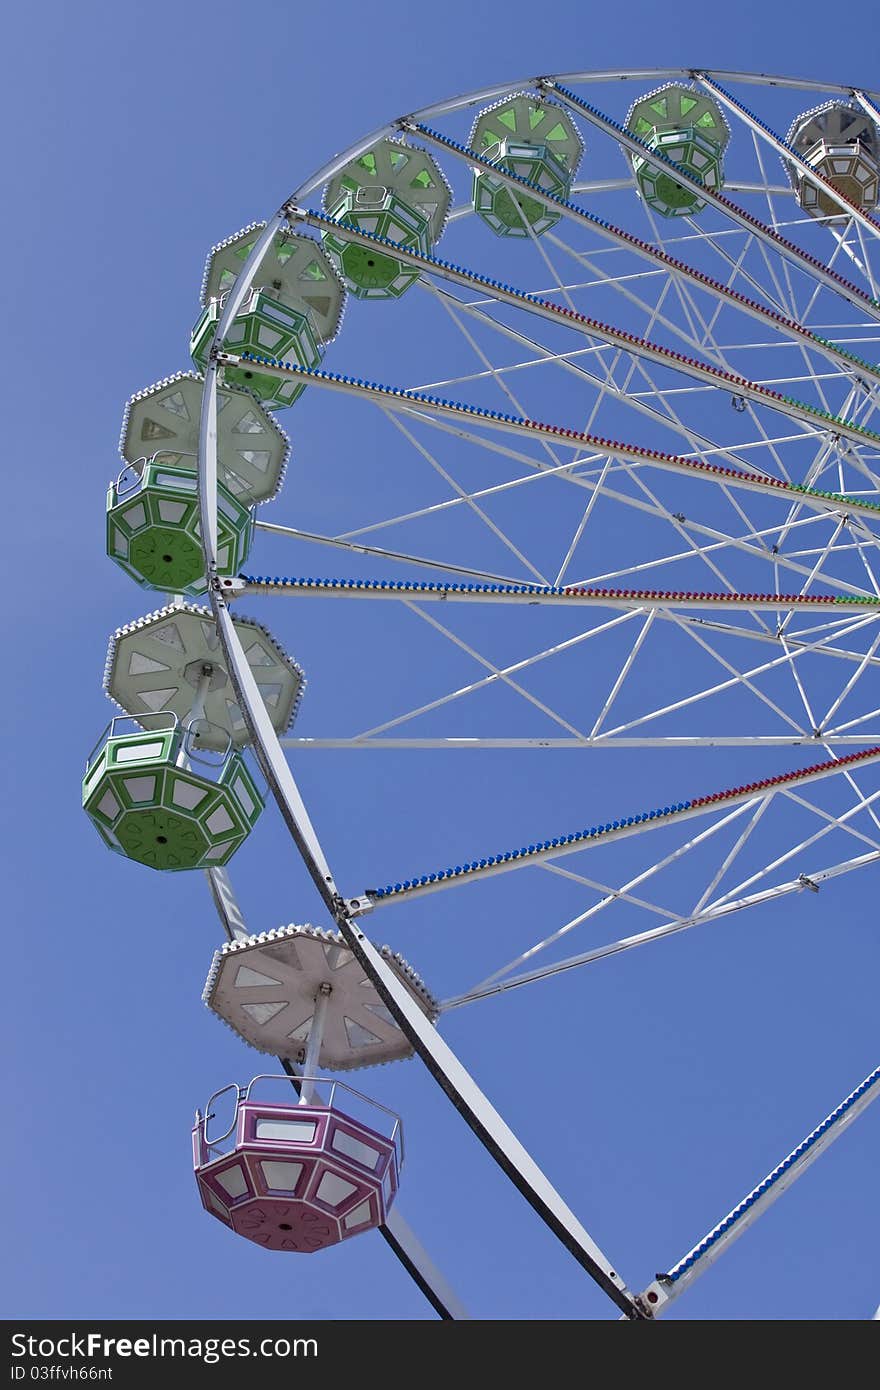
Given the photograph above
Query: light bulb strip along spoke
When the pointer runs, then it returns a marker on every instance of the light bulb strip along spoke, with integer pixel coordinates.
(617, 337)
(623, 828)
(872, 109)
(407, 401)
(532, 595)
(671, 1285)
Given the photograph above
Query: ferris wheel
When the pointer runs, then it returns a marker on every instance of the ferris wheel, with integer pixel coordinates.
(598, 490)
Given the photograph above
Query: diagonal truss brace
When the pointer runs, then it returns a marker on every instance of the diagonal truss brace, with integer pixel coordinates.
(812, 881)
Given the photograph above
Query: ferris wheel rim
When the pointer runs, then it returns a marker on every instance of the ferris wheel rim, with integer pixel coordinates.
(471, 97)
(266, 744)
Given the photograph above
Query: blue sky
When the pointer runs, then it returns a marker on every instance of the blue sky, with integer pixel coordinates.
(656, 1090)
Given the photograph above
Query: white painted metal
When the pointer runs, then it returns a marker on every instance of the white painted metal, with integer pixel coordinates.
(868, 105)
(678, 271)
(168, 659)
(445, 1066)
(337, 542)
(415, 1258)
(422, 1268)
(228, 910)
(198, 705)
(197, 711)
(464, 745)
(622, 832)
(711, 915)
(397, 1232)
(313, 1047)
(264, 988)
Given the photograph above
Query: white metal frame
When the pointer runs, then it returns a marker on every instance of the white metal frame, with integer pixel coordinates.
(831, 526)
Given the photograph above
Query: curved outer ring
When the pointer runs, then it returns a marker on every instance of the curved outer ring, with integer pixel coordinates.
(441, 1062)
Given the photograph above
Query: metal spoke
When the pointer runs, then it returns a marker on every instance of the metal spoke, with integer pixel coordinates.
(402, 399)
(703, 1255)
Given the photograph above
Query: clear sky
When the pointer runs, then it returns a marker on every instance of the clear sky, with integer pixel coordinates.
(655, 1089)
